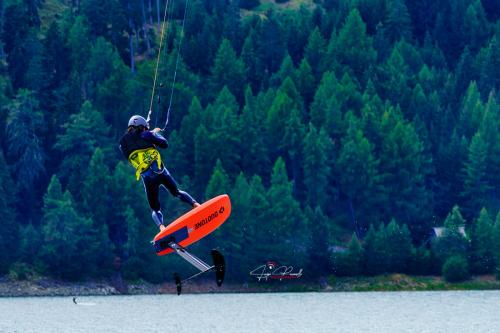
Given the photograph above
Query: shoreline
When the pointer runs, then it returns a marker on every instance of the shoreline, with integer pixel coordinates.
(395, 282)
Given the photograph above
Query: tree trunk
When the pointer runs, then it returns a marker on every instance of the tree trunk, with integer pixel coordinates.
(1, 29)
(131, 40)
(132, 59)
(150, 10)
(353, 219)
(144, 27)
(158, 13)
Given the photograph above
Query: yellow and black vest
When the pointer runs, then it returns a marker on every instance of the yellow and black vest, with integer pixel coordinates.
(143, 158)
(140, 152)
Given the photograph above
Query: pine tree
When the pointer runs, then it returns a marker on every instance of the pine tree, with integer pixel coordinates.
(222, 121)
(203, 158)
(219, 182)
(69, 250)
(495, 243)
(471, 112)
(375, 252)
(488, 62)
(482, 259)
(490, 129)
(307, 83)
(84, 132)
(95, 189)
(315, 52)
(79, 44)
(350, 263)
(357, 169)
(126, 192)
(24, 142)
(277, 116)
(476, 186)
(403, 168)
(228, 71)
(398, 21)
(397, 72)
(325, 109)
(324, 93)
(252, 125)
(353, 45)
(271, 43)
(319, 249)
(399, 247)
(30, 242)
(249, 53)
(285, 219)
(138, 262)
(250, 209)
(452, 242)
(9, 229)
(286, 70)
(316, 165)
(476, 26)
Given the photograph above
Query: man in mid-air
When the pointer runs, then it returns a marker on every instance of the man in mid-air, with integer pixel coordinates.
(139, 146)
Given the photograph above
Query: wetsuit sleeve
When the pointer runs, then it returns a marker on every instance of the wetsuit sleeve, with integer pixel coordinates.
(123, 148)
(155, 138)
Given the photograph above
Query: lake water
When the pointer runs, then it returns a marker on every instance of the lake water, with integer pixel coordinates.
(281, 312)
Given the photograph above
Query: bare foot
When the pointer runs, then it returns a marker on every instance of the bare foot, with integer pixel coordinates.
(162, 227)
(196, 205)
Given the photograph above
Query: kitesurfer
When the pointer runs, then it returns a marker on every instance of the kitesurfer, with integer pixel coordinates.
(139, 146)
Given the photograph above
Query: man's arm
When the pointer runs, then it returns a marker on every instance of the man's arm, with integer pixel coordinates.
(123, 148)
(155, 138)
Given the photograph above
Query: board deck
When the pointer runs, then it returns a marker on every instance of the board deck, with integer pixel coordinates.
(194, 225)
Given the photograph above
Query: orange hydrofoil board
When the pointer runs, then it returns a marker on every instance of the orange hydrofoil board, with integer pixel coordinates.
(194, 225)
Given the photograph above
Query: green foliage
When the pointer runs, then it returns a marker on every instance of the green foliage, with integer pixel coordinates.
(371, 110)
(9, 229)
(350, 263)
(482, 259)
(250, 207)
(353, 46)
(456, 269)
(320, 241)
(452, 242)
(218, 183)
(228, 70)
(357, 170)
(286, 220)
(71, 246)
(315, 51)
(317, 149)
(421, 261)
(495, 242)
(399, 247)
(139, 263)
(375, 251)
(475, 182)
(84, 132)
(25, 147)
(398, 22)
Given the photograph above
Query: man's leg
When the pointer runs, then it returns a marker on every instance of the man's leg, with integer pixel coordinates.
(169, 182)
(152, 186)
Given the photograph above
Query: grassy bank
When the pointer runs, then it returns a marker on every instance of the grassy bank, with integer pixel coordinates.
(395, 282)
(400, 282)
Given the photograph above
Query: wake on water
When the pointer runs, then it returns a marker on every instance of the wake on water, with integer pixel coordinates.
(83, 303)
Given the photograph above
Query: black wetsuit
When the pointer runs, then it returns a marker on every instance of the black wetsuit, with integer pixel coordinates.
(153, 177)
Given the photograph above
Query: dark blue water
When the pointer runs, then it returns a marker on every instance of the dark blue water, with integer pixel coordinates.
(299, 312)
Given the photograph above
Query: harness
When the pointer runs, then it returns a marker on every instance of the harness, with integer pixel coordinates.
(142, 159)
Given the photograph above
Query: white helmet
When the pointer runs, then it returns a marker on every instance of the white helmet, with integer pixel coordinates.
(137, 121)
